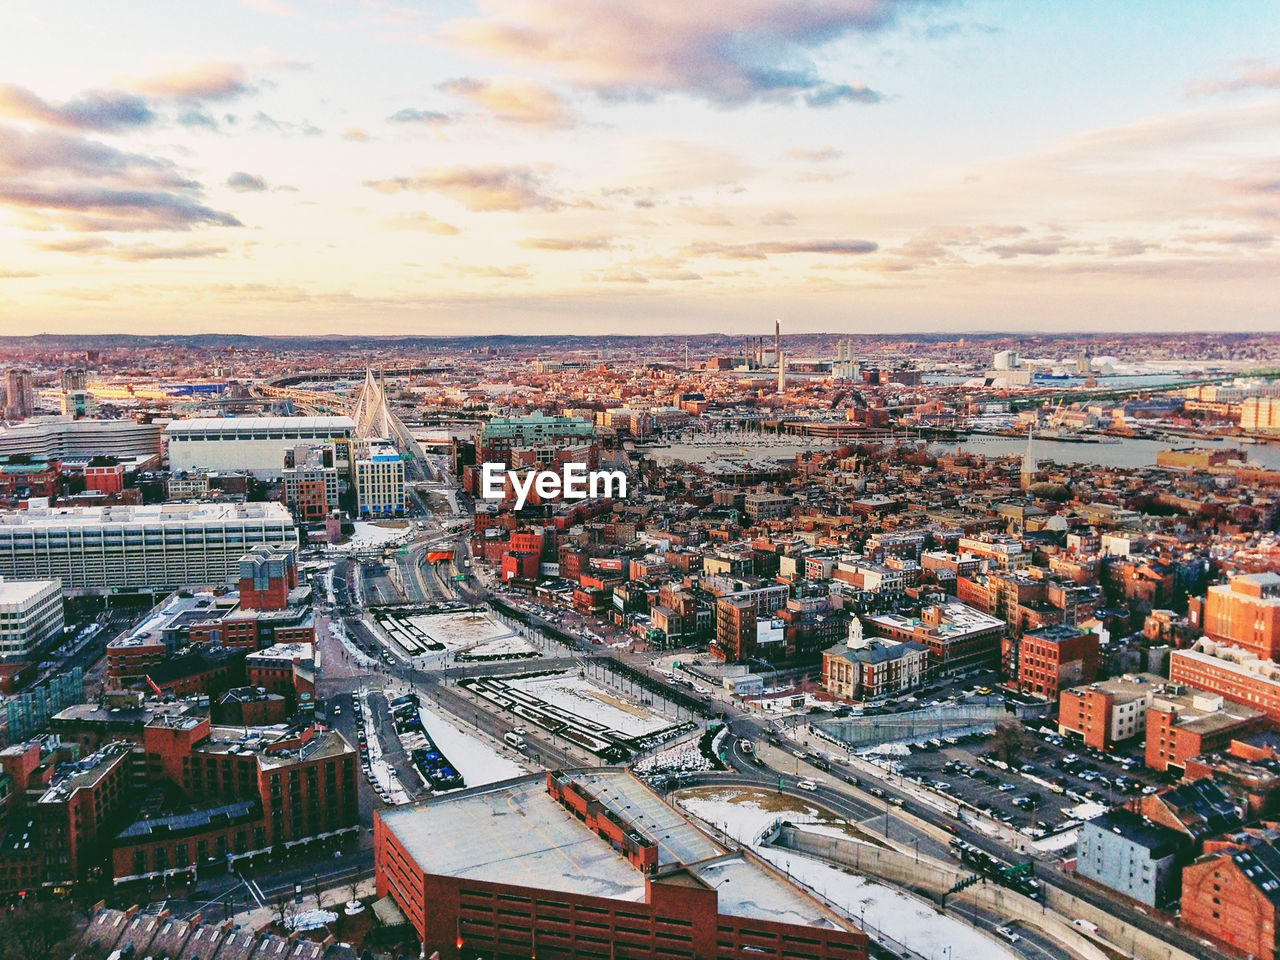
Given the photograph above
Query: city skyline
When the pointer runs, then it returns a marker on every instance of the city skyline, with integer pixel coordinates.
(327, 168)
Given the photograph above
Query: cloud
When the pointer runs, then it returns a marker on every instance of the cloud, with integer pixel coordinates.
(1026, 248)
(306, 129)
(1242, 238)
(485, 189)
(778, 218)
(764, 249)
(195, 117)
(246, 182)
(101, 208)
(429, 117)
(204, 80)
(49, 153)
(568, 243)
(763, 52)
(17, 274)
(355, 135)
(133, 253)
(422, 221)
(102, 110)
(820, 155)
(513, 100)
(831, 94)
(519, 271)
(1252, 76)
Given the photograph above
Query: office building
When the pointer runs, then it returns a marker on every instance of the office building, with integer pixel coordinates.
(256, 445)
(309, 483)
(957, 636)
(57, 438)
(590, 863)
(94, 549)
(1244, 612)
(501, 434)
(379, 479)
(30, 616)
(1232, 894)
(1183, 722)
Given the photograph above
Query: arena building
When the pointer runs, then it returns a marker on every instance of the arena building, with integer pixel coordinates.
(254, 445)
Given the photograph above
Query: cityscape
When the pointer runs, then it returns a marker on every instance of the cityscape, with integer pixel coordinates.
(540, 480)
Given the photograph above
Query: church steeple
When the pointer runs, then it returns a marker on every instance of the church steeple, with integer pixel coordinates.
(1029, 462)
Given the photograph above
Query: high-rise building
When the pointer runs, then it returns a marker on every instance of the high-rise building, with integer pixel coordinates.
(379, 477)
(72, 379)
(30, 615)
(19, 394)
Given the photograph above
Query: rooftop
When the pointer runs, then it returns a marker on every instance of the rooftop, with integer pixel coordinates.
(216, 424)
(148, 514)
(517, 833)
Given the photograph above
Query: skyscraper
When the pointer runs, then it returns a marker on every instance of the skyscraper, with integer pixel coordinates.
(20, 401)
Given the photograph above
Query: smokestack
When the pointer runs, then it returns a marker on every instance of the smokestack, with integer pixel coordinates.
(777, 339)
(782, 372)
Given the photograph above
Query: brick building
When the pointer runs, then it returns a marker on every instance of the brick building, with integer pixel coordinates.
(1055, 658)
(1231, 672)
(1231, 893)
(1244, 612)
(957, 636)
(1182, 724)
(1110, 712)
(642, 881)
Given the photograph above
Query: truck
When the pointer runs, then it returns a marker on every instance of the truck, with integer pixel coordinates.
(515, 740)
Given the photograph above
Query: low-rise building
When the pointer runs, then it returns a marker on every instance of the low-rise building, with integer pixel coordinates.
(1132, 856)
(957, 636)
(1108, 712)
(1231, 893)
(1056, 657)
(1183, 723)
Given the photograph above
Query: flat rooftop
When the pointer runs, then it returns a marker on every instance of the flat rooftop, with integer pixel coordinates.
(235, 424)
(516, 833)
(513, 833)
(150, 514)
(744, 889)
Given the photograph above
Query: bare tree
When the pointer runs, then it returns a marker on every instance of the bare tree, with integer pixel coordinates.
(1010, 741)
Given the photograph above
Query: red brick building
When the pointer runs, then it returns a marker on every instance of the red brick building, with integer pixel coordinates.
(1182, 726)
(1245, 613)
(1055, 658)
(1231, 672)
(1229, 894)
(1107, 713)
(642, 882)
(104, 474)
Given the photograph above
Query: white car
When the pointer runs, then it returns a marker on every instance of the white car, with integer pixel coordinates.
(1008, 934)
(807, 785)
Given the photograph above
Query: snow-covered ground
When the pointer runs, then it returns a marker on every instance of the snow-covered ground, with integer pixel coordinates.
(478, 762)
(379, 770)
(339, 632)
(372, 535)
(474, 633)
(899, 915)
(686, 758)
(585, 699)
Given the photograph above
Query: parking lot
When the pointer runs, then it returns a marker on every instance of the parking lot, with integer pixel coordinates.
(1052, 782)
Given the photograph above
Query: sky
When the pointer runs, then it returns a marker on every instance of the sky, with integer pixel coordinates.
(604, 167)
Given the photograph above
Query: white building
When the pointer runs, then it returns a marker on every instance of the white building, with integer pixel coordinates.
(159, 546)
(254, 445)
(55, 438)
(379, 476)
(30, 615)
